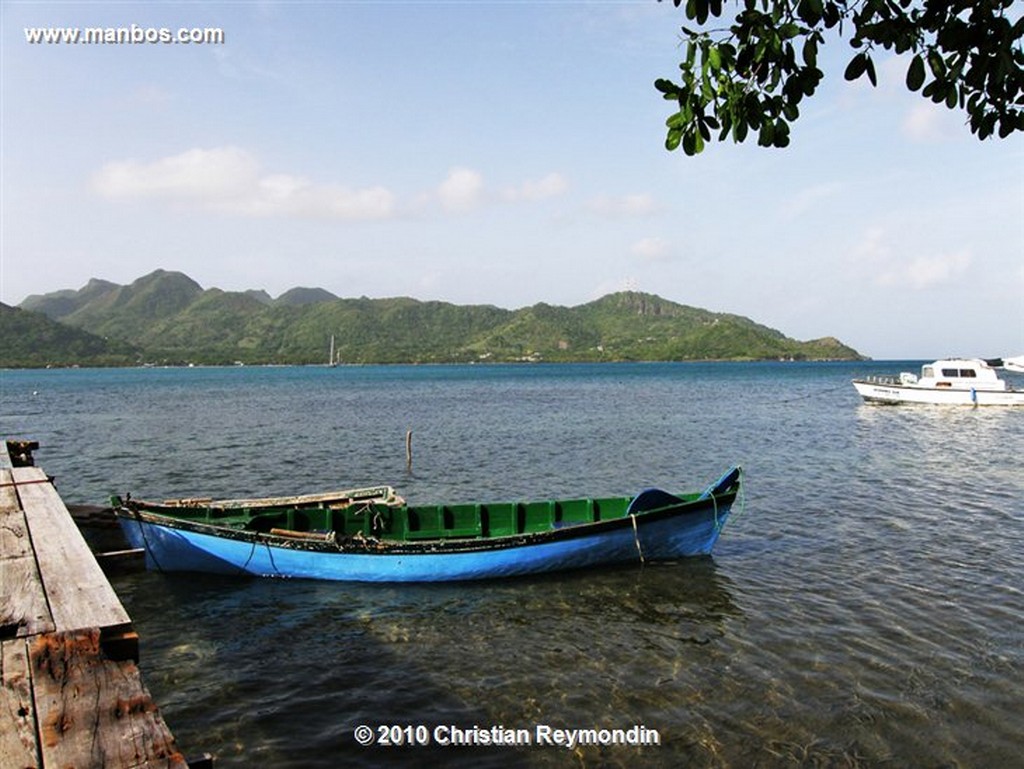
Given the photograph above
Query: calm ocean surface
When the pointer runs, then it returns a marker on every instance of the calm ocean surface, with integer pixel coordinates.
(865, 609)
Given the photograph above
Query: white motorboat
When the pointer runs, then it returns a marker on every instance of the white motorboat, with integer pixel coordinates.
(953, 381)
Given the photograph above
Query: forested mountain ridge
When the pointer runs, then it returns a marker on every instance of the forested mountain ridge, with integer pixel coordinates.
(168, 318)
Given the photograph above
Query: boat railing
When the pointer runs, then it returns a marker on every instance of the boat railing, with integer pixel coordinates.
(882, 379)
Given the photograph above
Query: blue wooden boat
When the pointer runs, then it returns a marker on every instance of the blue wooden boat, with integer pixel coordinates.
(372, 535)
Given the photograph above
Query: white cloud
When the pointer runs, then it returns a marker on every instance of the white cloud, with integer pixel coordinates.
(229, 180)
(624, 206)
(651, 249)
(872, 247)
(294, 195)
(152, 97)
(876, 254)
(549, 186)
(926, 271)
(808, 198)
(462, 190)
(927, 121)
(197, 174)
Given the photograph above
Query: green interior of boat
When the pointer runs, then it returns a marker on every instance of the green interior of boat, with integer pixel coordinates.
(418, 522)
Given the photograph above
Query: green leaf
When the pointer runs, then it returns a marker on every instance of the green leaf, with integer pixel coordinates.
(686, 111)
(667, 87)
(811, 52)
(987, 126)
(915, 73)
(810, 81)
(869, 67)
(714, 59)
(856, 67)
(807, 13)
(697, 10)
(751, 74)
(726, 127)
(676, 121)
(780, 138)
(951, 96)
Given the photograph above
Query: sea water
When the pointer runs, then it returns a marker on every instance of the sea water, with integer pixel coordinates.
(863, 608)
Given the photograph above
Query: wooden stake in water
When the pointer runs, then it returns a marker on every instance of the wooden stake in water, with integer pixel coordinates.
(408, 448)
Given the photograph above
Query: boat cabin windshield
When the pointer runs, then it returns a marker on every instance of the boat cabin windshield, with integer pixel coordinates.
(928, 372)
(961, 373)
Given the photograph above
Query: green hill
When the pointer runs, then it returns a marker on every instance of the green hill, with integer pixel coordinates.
(30, 339)
(60, 304)
(170, 319)
(297, 297)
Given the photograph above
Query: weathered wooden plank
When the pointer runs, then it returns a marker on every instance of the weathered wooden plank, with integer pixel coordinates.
(93, 711)
(67, 699)
(14, 539)
(76, 588)
(5, 454)
(8, 496)
(23, 607)
(18, 744)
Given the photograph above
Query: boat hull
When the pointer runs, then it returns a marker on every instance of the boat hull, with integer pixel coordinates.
(692, 529)
(885, 393)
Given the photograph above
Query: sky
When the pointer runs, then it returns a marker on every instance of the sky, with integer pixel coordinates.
(499, 153)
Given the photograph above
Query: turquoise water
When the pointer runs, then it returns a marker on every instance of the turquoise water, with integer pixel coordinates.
(863, 610)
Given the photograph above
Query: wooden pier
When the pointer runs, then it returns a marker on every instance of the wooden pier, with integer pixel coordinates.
(70, 690)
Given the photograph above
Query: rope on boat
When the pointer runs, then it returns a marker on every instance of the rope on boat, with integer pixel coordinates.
(739, 504)
(636, 538)
(252, 552)
(270, 554)
(740, 501)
